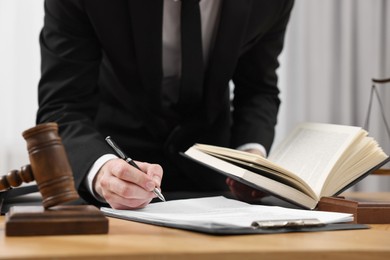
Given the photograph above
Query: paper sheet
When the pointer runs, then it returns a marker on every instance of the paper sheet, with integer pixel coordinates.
(219, 211)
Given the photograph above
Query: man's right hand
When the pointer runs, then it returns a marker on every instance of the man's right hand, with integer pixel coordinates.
(125, 187)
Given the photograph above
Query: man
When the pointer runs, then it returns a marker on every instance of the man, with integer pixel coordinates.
(117, 68)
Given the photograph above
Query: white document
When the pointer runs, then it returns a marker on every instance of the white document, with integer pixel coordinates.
(219, 212)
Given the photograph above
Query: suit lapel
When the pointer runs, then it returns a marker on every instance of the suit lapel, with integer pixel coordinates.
(146, 18)
(233, 22)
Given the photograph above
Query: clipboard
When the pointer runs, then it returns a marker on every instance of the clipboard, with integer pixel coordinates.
(222, 216)
(223, 230)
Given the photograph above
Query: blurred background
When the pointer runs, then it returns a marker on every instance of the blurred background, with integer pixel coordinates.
(332, 51)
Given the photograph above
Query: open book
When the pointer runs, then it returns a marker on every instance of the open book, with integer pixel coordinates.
(314, 161)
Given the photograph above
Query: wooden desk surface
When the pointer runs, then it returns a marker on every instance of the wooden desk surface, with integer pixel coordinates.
(140, 241)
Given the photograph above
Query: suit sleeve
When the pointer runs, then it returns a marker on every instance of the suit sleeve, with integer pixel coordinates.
(68, 93)
(256, 101)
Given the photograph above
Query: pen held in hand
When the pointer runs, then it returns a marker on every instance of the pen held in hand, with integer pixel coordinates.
(122, 155)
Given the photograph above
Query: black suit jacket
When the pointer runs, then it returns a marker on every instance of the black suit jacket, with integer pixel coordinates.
(101, 75)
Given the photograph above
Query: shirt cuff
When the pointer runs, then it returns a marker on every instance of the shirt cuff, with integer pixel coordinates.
(89, 181)
(253, 146)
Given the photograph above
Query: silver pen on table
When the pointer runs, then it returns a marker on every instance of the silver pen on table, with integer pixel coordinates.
(122, 155)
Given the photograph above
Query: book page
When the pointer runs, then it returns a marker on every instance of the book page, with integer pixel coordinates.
(219, 211)
(313, 149)
(255, 180)
(361, 160)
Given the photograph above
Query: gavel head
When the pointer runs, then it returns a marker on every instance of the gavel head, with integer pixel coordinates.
(50, 165)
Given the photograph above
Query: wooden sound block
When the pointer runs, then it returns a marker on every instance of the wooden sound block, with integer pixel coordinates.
(58, 220)
(364, 212)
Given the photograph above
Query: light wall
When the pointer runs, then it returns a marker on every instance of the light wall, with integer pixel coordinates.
(333, 48)
(20, 23)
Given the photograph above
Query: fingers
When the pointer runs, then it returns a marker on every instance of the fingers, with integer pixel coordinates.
(255, 151)
(153, 170)
(244, 192)
(117, 201)
(125, 187)
(128, 173)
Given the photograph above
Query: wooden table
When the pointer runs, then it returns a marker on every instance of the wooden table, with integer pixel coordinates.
(140, 241)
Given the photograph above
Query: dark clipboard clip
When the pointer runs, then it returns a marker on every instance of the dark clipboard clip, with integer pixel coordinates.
(288, 223)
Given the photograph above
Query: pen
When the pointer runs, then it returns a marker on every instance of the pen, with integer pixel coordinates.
(131, 162)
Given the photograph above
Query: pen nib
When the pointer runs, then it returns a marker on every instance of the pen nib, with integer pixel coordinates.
(159, 194)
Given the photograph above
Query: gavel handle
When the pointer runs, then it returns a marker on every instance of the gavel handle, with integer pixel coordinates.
(15, 178)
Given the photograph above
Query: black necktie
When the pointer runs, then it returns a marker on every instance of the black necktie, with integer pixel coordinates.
(192, 56)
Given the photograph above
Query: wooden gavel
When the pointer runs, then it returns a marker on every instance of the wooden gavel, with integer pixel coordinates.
(49, 167)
